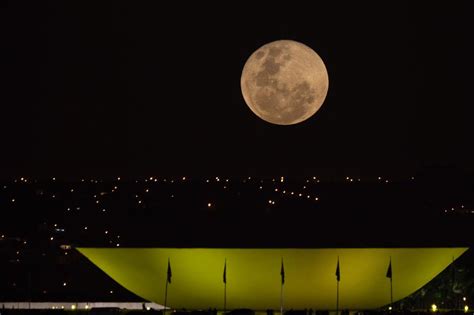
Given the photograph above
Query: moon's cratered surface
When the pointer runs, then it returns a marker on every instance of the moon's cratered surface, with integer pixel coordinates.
(284, 82)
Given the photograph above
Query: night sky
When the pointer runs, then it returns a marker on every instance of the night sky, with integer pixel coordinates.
(126, 90)
(135, 89)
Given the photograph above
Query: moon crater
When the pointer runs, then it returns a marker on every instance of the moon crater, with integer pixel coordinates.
(284, 82)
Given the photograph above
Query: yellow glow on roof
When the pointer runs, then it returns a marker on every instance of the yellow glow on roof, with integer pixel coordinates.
(253, 275)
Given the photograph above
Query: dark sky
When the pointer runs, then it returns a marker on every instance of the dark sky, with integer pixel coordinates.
(131, 88)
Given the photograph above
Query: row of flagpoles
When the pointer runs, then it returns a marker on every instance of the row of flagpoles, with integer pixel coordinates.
(282, 274)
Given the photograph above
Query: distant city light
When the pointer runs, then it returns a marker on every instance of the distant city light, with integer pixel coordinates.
(114, 206)
(434, 308)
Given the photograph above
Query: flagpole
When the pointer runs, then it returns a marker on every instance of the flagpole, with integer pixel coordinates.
(281, 299)
(391, 284)
(224, 278)
(168, 280)
(391, 294)
(166, 296)
(338, 275)
(282, 273)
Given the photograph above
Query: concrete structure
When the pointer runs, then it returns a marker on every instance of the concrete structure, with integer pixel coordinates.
(254, 280)
(77, 305)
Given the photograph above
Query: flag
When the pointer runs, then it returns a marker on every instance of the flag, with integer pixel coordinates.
(225, 272)
(282, 272)
(389, 270)
(338, 271)
(168, 273)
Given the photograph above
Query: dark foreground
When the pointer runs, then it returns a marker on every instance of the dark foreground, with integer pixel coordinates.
(111, 311)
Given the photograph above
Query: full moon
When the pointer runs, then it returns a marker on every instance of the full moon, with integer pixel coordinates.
(284, 82)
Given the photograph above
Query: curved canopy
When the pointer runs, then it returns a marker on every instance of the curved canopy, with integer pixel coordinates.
(254, 275)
